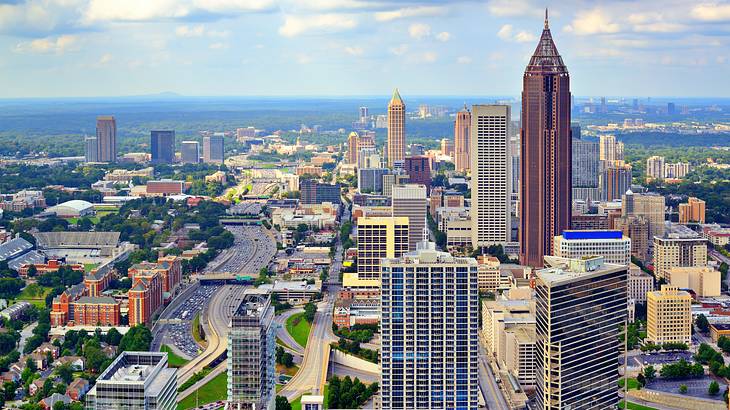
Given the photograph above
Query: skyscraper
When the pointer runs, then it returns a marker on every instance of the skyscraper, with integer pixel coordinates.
(430, 316)
(586, 165)
(92, 149)
(162, 144)
(650, 206)
(418, 169)
(490, 180)
(546, 156)
(655, 167)
(377, 238)
(581, 303)
(213, 149)
(410, 200)
(106, 138)
(611, 150)
(352, 146)
(462, 144)
(190, 152)
(615, 180)
(396, 129)
(447, 147)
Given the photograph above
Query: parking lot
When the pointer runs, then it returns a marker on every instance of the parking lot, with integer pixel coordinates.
(695, 387)
(661, 358)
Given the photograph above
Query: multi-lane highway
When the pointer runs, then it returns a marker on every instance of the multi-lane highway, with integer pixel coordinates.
(252, 249)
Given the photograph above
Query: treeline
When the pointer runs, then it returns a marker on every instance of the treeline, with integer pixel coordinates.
(347, 393)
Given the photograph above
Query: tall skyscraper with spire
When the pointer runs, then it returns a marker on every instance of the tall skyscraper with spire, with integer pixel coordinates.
(546, 157)
(396, 129)
(462, 132)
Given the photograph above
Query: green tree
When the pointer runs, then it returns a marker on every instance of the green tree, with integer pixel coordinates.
(65, 372)
(309, 311)
(282, 403)
(683, 388)
(138, 339)
(702, 324)
(714, 388)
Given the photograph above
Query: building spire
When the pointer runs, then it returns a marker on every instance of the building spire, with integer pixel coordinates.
(547, 26)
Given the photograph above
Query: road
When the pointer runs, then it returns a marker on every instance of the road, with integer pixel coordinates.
(281, 332)
(720, 258)
(492, 394)
(25, 333)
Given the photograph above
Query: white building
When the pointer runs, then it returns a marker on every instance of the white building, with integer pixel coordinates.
(612, 245)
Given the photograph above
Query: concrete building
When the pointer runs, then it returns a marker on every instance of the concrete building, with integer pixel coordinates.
(490, 182)
(410, 201)
(462, 140)
(677, 170)
(611, 150)
(352, 149)
(637, 229)
(640, 283)
(190, 152)
(418, 169)
(377, 238)
(106, 139)
(135, 380)
(213, 149)
(489, 275)
(678, 247)
(390, 180)
(162, 145)
(703, 281)
(370, 180)
(313, 192)
(586, 166)
(581, 304)
(396, 130)
(615, 180)
(429, 327)
(669, 316)
(91, 150)
(650, 206)
(251, 353)
(655, 167)
(692, 212)
(612, 245)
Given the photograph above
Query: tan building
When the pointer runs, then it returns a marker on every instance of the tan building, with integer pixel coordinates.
(447, 147)
(352, 148)
(704, 281)
(692, 212)
(679, 247)
(639, 284)
(309, 170)
(396, 129)
(489, 276)
(462, 144)
(106, 138)
(377, 238)
(637, 229)
(410, 200)
(669, 316)
(650, 206)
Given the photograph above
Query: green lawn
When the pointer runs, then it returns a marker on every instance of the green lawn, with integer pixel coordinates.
(298, 328)
(172, 359)
(296, 404)
(34, 294)
(633, 383)
(196, 331)
(212, 391)
(634, 406)
(89, 266)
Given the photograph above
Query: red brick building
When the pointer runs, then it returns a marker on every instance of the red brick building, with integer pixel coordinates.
(96, 311)
(97, 281)
(145, 297)
(165, 187)
(51, 266)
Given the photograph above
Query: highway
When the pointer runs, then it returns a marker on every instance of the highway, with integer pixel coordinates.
(492, 394)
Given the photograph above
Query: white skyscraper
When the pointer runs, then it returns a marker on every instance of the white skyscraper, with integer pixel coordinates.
(410, 200)
(490, 175)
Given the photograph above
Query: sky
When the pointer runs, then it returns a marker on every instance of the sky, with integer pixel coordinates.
(79, 48)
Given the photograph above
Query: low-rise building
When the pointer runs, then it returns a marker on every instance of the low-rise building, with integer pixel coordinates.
(612, 245)
(350, 312)
(293, 292)
(639, 284)
(51, 265)
(669, 316)
(704, 281)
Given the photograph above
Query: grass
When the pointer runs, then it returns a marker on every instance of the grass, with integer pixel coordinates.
(34, 294)
(196, 331)
(172, 359)
(279, 387)
(633, 383)
(212, 391)
(281, 343)
(89, 266)
(296, 404)
(633, 406)
(289, 371)
(298, 328)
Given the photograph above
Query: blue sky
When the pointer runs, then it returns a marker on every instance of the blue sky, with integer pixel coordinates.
(54, 48)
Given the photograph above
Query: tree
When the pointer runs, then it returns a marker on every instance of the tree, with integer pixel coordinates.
(714, 388)
(702, 323)
(65, 372)
(287, 360)
(113, 337)
(683, 388)
(282, 403)
(138, 339)
(309, 310)
(641, 379)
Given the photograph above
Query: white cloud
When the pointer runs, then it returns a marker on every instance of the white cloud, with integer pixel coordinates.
(57, 45)
(218, 46)
(505, 32)
(296, 25)
(105, 59)
(399, 50)
(443, 36)
(525, 37)
(354, 51)
(406, 12)
(660, 27)
(331, 4)
(594, 21)
(513, 8)
(218, 34)
(304, 59)
(419, 30)
(190, 31)
(427, 57)
(143, 10)
(711, 12)
(464, 60)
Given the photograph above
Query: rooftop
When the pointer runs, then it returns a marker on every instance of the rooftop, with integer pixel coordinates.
(560, 270)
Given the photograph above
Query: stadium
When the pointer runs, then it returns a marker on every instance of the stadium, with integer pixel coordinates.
(83, 247)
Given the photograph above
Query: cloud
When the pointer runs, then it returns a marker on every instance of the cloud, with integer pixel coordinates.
(525, 37)
(329, 23)
(57, 45)
(105, 59)
(188, 31)
(506, 32)
(513, 8)
(419, 30)
(145, 10)
(354, 51)
(399, 50)
(464, 60)
(304, 59)
(426, 57)
(443, 36)
(218, 46)
(594, 21)
(407, 12)
(711, 12)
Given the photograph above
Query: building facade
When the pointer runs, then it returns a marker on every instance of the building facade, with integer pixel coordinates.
(612, 245)
(313, 192)
(418, 169)
(190, 152)
(379, 238)
(162, 145)
(106, 139)
(692, 212)
(396, 129)
(410, 201)
(650, 206)
(213, 149)
(669, 316)
(655, 167)
(679, 247)
(586, 166)
(462, 140)
(615, 181)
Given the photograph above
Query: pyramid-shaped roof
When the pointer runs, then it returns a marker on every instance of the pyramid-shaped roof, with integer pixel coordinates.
(546, 58)
(396, 98)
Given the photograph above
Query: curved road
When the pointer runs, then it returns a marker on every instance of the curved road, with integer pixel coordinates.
(281, 332)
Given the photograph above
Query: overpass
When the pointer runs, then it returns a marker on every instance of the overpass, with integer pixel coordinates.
(225, 278)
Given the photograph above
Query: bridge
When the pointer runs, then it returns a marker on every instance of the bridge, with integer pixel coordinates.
(225, 278)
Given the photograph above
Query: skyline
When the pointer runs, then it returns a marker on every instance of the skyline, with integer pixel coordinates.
(348, 47)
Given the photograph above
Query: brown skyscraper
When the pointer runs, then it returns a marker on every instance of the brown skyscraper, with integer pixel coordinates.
(396, 129)
(352, 150)
(462, 132)
(106, 138)
(546, 183)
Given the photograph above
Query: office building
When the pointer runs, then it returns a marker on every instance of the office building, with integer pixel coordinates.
(615, 181)
(703, 281)
(213, 149)
(313, 192)
(91, 149)
(369, 158)
(377, 238)
(546, 163)
(613, 246)
(370, 180)
(586, 166)
(650, 206)
(162, 144)
(106, 139)
(490, 181)
(671, 108)
(251, 353)
(429, 327)
(352, 149)
(418, 169)
(410, 201)
(669, 316)
(655, 167)
(190, 152)
(692, 212)
(390, 180)
(135, 380)
(678, 247)
(462, 143)
(447, 147)
(635, 228)
(581, 305)
(640, 284)
(396, 129)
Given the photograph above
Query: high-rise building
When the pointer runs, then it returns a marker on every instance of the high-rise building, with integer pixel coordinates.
(370, 180)
(106, 138)
(135, 380)
(352, 148)
(92, 149)
(611, 150)
(377, 238)
(613, 246)
(251, 353)
(678, 247)
(585, 166)
(313, 192)
(490, 179)
(615, 181)
(581, 304)
(213, 149)
(655, 167)
(419, 171)
(364, 115)
(676, 170)
(637, 229)
(366, 139)
(162, 144)
(669, 316)
(369, 158)
(671, 108)
(447, 147)
(546, 154)
(692, 212)
(396, 129)
(190, 152)
(409, 200)
(430, 318)
(650, 206)
(462, 144)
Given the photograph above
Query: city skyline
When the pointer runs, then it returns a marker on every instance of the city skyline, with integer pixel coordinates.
(350, 47)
